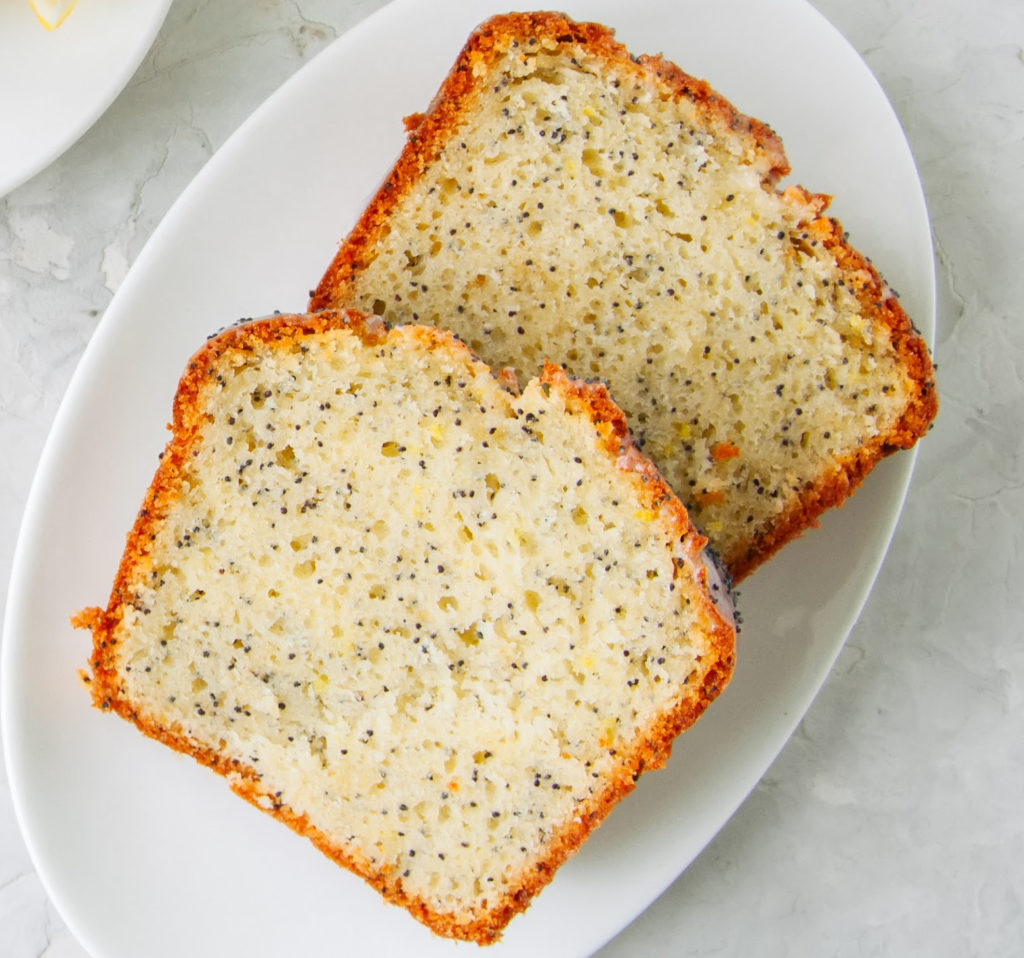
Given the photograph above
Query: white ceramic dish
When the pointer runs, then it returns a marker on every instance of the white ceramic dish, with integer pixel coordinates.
(143, 851)
(55, 84)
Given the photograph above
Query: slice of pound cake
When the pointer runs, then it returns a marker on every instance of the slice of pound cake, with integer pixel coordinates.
(434, 624)
(563, 201)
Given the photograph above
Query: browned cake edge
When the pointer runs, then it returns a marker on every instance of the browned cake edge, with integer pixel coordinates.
(429, 132)
(834, 487)
(649, 750)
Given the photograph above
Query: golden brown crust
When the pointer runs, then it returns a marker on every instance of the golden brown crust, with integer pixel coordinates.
(430, 131)
(880, 304)
(649, 751)
(833, 489)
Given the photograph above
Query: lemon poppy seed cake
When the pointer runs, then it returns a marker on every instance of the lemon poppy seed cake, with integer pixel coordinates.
(435, 624)
(563, 200)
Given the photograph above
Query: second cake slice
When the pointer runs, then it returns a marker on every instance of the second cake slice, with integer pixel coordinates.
(563, 200)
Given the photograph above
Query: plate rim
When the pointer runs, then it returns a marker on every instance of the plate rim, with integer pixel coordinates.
(111, 84)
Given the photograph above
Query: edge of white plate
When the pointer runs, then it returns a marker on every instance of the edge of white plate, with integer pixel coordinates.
(114, 85)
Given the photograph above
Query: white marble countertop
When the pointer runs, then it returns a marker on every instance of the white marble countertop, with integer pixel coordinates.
(893, 821)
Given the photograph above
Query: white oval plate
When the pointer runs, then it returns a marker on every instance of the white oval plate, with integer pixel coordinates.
(145, 852)
(55, 84)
